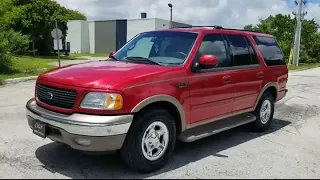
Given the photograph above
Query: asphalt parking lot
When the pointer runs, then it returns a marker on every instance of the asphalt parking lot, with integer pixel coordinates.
(290, 149)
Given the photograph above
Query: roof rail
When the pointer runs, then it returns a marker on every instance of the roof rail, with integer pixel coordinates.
(241, 30)
(217, 27)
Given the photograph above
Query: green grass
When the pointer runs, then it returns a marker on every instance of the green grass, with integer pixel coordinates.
(62, 57)
(75, 55)
(23, 66)
(28, 66)
(303, 66)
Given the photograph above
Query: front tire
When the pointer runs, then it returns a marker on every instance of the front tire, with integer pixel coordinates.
(150, 141)
(264, 113)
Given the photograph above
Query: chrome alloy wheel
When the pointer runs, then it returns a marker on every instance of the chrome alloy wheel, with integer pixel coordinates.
(265, 111)
(155, 141)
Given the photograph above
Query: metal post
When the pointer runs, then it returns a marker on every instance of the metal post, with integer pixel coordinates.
(57, 39)
(171, 17)
(297, 39)
(170, 5)
(33, 51)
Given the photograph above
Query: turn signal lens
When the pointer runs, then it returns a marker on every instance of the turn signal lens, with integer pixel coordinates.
(113, 101)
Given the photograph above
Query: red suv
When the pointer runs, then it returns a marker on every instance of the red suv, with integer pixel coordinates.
(175, 84)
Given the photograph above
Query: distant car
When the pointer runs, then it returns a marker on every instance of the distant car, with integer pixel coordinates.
(175, 84)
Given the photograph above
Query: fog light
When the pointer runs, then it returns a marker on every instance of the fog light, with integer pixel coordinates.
(83, 142)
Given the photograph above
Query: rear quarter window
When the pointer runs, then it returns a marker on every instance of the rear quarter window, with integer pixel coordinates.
(270, 50)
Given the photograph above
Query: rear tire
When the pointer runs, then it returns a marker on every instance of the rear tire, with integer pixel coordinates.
(264, 113)
(150, 141)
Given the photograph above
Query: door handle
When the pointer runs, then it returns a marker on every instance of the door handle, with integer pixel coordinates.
(182, 85)
(226, 79)
(260, 74)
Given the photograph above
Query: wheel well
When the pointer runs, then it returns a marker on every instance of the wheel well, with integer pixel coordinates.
(172, 109)
(273, 91)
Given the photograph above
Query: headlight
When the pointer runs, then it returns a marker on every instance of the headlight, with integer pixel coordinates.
(108, 101)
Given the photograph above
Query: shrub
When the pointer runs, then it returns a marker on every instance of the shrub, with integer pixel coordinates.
(5, 57)
(18, 43)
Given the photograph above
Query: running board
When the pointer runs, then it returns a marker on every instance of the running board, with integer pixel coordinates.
(215, 127)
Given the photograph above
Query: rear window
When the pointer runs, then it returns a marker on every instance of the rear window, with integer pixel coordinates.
(270, 50)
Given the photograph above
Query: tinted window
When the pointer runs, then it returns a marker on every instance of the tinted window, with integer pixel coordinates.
(254, 59)
(270, 50)
(240, 51)
(213, 44)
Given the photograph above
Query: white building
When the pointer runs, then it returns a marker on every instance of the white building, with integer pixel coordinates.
(110, 35)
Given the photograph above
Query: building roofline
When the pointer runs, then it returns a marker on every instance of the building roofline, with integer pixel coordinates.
(136, 19)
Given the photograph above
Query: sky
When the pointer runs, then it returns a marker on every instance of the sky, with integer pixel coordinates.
(226, 13)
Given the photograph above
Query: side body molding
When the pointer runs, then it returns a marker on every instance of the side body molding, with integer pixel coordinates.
(177, 104)
(163, 97)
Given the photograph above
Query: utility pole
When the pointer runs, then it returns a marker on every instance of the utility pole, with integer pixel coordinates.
(297, 39)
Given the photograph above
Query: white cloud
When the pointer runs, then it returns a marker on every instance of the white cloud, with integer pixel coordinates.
(228, 13)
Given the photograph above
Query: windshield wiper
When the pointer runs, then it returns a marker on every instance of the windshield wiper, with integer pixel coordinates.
(141, 59)
(114, 58)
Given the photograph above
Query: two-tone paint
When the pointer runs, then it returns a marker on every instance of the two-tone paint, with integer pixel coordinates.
(198, 98)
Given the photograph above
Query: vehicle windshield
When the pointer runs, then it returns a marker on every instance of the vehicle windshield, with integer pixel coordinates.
(168, 48)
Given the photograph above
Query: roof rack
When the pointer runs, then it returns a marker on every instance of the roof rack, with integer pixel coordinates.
(217, 27)
(241, 30)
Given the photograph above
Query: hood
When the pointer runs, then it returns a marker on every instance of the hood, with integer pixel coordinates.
(100, 74)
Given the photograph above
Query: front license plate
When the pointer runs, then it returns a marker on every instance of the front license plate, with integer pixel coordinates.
(39, 128)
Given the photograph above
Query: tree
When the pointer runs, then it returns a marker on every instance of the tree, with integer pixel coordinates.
(36, 19)
(5, 57)
(282, 27)
(10, 41)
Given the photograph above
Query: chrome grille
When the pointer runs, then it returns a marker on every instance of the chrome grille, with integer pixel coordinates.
(56, 97)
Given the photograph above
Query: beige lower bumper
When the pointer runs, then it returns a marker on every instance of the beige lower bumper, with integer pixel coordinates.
(93, 143)
(80, 131)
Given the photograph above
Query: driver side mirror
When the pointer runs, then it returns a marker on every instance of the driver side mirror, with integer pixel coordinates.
(208, 60)
(111, 53)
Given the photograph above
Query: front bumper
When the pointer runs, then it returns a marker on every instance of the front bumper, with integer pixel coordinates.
(101, 133)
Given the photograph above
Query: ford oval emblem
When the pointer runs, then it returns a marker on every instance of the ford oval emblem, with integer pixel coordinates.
(49, 95)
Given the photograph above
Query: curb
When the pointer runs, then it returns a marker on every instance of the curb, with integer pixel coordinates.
(17, 80)
(302, 69)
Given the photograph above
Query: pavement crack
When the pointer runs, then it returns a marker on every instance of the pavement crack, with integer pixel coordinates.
(294, 128)
(273, 142)
(271, 174)
(292, 132)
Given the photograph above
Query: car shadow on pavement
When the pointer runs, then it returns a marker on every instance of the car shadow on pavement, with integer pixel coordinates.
(59, 158)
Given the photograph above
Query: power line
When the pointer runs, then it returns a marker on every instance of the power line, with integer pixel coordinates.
(312, 14)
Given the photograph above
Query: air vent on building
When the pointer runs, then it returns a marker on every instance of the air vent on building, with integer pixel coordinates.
(143, 15)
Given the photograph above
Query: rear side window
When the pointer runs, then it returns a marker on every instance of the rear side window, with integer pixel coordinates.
(242, 51)
(253, 55)
(270, 50)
